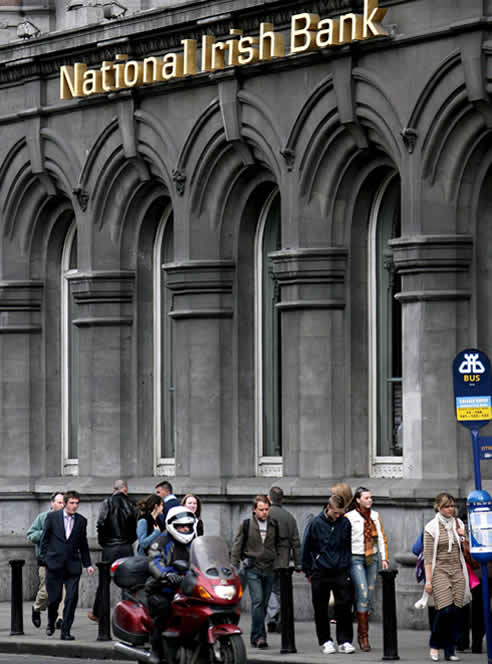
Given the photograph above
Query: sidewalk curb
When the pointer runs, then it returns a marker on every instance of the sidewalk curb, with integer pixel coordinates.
(57, 649)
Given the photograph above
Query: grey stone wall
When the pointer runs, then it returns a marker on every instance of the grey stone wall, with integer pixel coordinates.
(324, 130)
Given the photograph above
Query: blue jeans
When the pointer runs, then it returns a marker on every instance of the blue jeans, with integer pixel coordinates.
(364, 579)
(260, 587)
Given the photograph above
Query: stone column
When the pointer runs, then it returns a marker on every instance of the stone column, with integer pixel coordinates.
(103, 321)
(435, 309)
(21, 421)
(202, 312)
(312, 283)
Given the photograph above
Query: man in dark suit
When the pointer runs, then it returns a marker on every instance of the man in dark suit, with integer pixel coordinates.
(64, 549)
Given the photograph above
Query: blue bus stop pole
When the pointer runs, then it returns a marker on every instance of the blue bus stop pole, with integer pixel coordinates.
(476, 458)
(483, 566)
(486, 610)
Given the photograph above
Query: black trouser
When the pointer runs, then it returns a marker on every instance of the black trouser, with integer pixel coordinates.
(472, 616)
(160, 610)
(55, 580)
(339, 582)
(445, 629)
(110, 554)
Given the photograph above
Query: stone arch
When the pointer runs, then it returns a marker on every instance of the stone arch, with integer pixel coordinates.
(213, 164)
(113, 166)
(335, 135)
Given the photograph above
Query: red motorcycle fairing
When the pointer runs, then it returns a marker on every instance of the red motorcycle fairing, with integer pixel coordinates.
(217, 631)
(131, 622)
(189, 616)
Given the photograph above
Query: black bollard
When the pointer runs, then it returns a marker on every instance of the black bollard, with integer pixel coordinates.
(288, 642)
(390, 633)
(104, 633)
(16, 615)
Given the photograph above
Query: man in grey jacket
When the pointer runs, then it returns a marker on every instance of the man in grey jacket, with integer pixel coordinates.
(34, 535)
(256, 544)
(289, 548)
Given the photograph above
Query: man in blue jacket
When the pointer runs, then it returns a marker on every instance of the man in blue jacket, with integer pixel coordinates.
(326, 557)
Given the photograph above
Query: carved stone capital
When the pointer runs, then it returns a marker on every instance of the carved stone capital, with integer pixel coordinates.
(179, 177)
(82, 196)
(103, 287)
(409, 136)
(289, 156)
(310, 278)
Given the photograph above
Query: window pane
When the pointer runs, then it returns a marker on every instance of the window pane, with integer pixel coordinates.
(167, 348)
(389, 332)
(70, 355)
(272, 443)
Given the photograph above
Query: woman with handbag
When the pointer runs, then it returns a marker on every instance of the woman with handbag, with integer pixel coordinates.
(446, 576)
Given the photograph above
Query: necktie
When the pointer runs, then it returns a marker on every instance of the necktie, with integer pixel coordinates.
(68, 525)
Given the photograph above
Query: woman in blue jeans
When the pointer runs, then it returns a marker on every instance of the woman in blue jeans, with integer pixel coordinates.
(368, 542)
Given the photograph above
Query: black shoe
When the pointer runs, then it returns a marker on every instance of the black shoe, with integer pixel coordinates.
(59, 623)
(36, 618)
(261, 643)
(50, 629)
(67, 637)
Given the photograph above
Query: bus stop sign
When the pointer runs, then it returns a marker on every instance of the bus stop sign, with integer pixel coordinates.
(472, 388)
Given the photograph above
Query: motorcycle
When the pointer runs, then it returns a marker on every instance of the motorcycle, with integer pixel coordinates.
(203, 628)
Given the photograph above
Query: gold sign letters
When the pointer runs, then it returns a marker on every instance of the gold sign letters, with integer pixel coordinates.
(308, 33)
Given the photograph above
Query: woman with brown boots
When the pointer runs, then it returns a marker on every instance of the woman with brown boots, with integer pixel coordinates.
(368, 542)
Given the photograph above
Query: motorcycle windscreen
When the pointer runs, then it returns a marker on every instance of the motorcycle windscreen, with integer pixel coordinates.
(210, 554)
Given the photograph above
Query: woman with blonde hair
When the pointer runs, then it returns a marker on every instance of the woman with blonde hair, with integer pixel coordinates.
(446, 576)
(342, 489)
(194, 503)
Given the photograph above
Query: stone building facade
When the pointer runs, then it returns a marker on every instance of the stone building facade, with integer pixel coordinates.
(257, 272)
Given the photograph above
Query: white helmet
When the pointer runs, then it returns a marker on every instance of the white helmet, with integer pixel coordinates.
(181, 524)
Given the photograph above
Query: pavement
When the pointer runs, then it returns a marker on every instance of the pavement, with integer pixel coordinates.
(412, 644)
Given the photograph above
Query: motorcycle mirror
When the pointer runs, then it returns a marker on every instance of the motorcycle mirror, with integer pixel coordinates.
(181, 566)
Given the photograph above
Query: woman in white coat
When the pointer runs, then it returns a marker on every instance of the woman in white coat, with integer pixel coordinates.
(368, 542)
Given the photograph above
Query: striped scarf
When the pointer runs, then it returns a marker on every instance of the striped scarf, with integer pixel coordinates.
(370, 534)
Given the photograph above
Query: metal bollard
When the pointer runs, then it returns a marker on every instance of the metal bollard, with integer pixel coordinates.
(288, 642)
(390, 633)
(16, 615)
(104, 632)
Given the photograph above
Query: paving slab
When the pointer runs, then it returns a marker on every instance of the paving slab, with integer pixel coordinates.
(412, 644)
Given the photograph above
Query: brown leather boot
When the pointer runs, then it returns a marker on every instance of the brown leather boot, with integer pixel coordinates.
(363, 630)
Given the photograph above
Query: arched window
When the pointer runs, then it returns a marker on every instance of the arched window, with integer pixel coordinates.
(70, 358)
(164, 379)
(385, 331)
(268, 341)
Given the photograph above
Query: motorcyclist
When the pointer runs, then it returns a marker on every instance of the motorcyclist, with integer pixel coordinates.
(172, 545)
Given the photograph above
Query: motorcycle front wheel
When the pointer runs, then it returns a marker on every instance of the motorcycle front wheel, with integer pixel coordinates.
(232, 650)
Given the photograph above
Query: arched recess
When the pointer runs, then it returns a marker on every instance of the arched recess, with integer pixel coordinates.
(52, 396)
(371, 193)
(475, 208)
(147, 238)
(251, 209)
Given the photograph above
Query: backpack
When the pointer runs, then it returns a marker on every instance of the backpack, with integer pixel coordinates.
(246, 522)
(419, 567)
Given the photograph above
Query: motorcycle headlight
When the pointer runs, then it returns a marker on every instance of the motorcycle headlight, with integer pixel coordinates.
(225, 592)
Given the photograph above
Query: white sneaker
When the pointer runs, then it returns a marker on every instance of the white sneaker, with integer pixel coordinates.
(346, 648)
(328, 648)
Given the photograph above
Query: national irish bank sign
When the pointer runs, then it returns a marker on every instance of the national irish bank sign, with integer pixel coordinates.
(307, 33)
